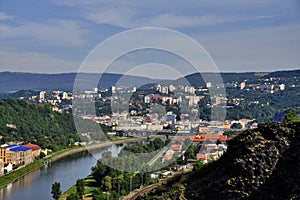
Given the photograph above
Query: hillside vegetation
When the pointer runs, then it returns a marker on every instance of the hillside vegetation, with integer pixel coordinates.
(37, 123)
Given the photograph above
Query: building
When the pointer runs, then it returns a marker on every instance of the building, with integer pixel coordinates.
(208, 84)
(1, 167)
(170, 118)
(147, 99)
(65, 95)
(42, 95)
(8, 167)
(282, 87)
(176, 147)
(172, 88)
(36, 149)
(243, 85)
(16, 154)
(208, 137)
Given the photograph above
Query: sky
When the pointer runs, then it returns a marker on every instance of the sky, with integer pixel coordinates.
(56, 36)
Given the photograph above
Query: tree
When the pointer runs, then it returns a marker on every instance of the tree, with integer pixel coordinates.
(107, 183)
(236, 126)
(42, 155)
(197, 165)
(55, 190)
(73, 197)
(291, 117)
(80, 187)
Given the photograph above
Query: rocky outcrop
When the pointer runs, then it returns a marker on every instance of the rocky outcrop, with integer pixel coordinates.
(261, 163)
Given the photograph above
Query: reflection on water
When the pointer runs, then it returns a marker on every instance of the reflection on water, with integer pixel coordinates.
(37, 185)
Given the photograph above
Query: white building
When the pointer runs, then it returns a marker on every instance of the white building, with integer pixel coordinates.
(42, 95)
(282, 87)
(208, 85)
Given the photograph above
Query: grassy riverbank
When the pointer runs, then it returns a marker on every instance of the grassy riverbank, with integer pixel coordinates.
(8, 178)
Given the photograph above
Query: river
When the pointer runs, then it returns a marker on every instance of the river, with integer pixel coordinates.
(37, 185)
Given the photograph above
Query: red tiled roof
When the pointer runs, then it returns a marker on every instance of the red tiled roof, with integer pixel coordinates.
(34, 147)
(203, 137)
(176, 147)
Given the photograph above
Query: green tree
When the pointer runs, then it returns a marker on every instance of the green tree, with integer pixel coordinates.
(73, 197)
(197, 165)
(55, 190)
(107, 183)
(80, 187)
(236, 126)
(291, 117)
(42, 155)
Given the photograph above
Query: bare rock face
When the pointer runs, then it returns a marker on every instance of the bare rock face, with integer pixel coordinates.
(262, 163)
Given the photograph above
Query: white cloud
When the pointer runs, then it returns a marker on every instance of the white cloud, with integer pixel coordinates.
(35, 62)
(4, 16)
(55, 32)
(175, 14)
(128, 19)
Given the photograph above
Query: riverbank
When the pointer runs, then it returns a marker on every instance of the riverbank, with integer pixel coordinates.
(13, 176)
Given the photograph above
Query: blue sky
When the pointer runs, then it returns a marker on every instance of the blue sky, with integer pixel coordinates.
(54, 36)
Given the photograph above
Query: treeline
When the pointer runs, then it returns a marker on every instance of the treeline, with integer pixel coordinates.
(37, 123)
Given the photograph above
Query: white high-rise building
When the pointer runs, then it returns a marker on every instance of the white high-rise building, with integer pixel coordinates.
(243, 85)
(42, 95)
(65, 95)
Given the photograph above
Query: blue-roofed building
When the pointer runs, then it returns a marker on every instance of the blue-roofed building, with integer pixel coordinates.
(19, 148)
(16, 154)
(11, 146)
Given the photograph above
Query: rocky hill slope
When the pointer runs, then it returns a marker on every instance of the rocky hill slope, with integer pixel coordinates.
(262, 163)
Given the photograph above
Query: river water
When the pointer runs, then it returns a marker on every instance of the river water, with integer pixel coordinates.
(37, 185)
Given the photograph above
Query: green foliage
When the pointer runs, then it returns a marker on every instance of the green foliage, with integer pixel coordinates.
(55, 190)
(236, 126)
(42, 155)
(119, 181)
(80, 187)
(197, 165)
(73, 196)
(98, 195)
(38, 124)
(291, 117)
(230, 133)
(107, 183)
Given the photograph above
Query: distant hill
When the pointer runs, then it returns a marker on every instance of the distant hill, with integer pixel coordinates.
(14, 81)
(261, 163)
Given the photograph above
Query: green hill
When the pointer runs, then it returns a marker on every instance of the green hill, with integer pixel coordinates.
(36, 123)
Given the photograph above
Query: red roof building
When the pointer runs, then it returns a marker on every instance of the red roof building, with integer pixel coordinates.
(36, 149)
(203, 137)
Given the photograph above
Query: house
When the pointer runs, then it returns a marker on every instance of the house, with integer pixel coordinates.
(167, 157)
(8, 167)
(208, 137)
(176, 147)
(202, 156)
(154, 175)
(36, 149)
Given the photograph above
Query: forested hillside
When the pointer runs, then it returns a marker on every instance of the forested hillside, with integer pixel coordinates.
(37, 123)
